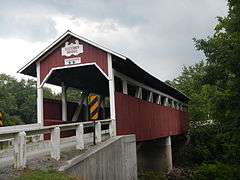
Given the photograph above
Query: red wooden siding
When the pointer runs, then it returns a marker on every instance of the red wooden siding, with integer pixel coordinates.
(52, 110)
(63, 134)
(90, 54)
(147, 120)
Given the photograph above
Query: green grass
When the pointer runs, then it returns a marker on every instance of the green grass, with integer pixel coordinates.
(44, 175)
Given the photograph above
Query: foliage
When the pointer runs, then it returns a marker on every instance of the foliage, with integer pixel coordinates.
(43, 175)
(206, 146)
(222, 53)
(190, 82)
(217, 171)
(18, 100)
(73, 95)
(213, 87)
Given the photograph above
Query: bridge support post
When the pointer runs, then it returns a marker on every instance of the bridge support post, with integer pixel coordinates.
(155, 155)
(98, 134)
(79, 137)
(64, 103)
(169, 153)
(20, 150)
(55, 142)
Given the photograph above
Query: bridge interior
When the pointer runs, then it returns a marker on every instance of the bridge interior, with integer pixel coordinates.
(88, 80)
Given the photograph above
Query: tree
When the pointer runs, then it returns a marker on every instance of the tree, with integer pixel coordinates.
(222, 52)
(18, 100)
(214, 90)
(190, 82)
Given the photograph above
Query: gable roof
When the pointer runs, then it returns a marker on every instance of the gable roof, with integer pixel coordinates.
(53, 46)
(120, 62)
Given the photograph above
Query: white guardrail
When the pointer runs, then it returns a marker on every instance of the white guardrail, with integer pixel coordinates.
(19, 135)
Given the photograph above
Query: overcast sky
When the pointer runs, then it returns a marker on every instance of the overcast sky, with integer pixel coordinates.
(156, 34)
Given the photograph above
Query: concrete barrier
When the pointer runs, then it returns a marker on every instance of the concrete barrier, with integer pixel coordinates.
(113, 159)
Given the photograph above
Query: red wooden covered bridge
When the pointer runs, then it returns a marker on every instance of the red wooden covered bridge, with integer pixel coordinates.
(136, 101)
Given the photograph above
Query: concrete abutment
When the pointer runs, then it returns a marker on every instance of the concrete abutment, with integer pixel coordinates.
(113, 159)
(155, 155)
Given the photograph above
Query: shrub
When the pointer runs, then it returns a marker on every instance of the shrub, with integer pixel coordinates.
(217, 171)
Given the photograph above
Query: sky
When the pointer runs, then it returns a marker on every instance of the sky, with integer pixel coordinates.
(155, 34)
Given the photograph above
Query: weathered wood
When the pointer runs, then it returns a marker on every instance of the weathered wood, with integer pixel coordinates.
(80, 105)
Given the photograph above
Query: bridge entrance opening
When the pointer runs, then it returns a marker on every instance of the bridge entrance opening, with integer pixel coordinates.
(80, 83)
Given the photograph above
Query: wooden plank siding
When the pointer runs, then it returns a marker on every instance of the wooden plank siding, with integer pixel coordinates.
(52, 109)
(90, 54)
(147, 120)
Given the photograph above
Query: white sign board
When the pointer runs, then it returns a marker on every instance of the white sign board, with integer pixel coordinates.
(72, 49)
(72, 61)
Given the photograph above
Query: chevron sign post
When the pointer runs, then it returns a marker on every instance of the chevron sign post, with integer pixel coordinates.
(94, 105)
(1, 119)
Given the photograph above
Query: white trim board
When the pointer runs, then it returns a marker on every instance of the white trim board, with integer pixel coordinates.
(39, 96)
(71, 66)
(60, 39)
(112, 94)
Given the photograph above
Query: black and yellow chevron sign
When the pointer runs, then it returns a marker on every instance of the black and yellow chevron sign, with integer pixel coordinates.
(94, 104)
(1, 119)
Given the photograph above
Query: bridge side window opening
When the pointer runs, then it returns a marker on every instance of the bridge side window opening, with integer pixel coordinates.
(118, 84)
(185, 108)
(155, 98)
(169, 102)
(162, 101)
(145, 94)
(132, 89)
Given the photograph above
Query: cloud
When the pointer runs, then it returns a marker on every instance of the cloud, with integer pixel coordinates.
(157, 35)
(27, 27)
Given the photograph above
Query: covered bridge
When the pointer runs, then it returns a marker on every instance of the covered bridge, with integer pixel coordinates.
(136, 101)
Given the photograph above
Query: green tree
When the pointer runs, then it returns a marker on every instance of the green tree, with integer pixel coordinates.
(213, 87)
(18, 100)
(222, 52)
(190, 82)
(73, 95)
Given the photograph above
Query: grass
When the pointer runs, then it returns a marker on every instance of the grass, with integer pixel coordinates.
(45, 175)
